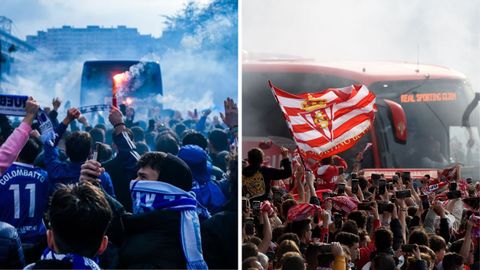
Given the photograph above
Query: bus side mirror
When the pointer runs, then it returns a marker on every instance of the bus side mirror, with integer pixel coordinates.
(398, 121)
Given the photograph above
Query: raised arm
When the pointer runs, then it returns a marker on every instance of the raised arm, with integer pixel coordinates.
(126, 148)
(51, 156)
(230, 117)
(277, 174)
(10, 149)
(53, 114)
(267, 228)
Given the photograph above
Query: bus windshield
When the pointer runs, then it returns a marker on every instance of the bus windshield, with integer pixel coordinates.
(434, 110)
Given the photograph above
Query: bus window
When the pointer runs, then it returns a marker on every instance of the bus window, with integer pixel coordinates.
(432, 108)
(464, 148)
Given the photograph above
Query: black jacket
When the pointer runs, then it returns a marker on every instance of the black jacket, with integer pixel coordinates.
(219, 238)
(123, 168)
(270, 174)
(152, 241)
(120, 182)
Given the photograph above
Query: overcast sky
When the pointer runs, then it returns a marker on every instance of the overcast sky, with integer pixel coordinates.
(446, 32)
(29, 16)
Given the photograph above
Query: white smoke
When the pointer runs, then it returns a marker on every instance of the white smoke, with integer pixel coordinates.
(212, 32)
(440, 32)
(35, 75)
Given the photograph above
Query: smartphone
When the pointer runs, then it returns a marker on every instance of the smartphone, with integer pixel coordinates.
(382, 186)
(364, 206)
(337, 220)
(452, 186)
(390, 186)
(326, 195)
(245, 204)
(256, 206)
(95, 151)
(425, 202)
(341, 189)
(375, 179)
(406, 177)
(277, 196)
(385, 207)
(409, 247)
(402, 194)
(340, 170)
(354, 185)
(250, 226)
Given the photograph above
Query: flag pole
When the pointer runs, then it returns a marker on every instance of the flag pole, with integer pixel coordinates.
(285, 119)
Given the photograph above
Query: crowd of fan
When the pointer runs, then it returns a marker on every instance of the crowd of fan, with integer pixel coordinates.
(122, 194)
(330, 219)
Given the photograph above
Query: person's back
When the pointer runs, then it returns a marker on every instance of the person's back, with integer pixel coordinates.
(219, 238)
(208, 192)
(328, 170)
(78, 148)
(114, 167)
(256, 179)
(24, 195)
(149, 233)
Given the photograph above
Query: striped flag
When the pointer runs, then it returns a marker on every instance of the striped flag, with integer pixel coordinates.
(328, 122)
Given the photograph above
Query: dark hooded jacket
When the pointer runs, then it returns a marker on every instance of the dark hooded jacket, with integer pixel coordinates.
(152, 239)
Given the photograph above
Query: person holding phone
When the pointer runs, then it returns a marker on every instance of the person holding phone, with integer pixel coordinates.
(329, 168)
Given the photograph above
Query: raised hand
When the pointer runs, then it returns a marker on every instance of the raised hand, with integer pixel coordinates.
(230, 118)
(82, 119)
(115, 117)
(56, 102)
(284, 152)
(90, 171)
(31, 108)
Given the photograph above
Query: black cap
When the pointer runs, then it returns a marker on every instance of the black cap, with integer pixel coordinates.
(176, 172)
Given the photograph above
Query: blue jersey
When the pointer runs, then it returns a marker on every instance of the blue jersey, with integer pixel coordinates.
(23, 200)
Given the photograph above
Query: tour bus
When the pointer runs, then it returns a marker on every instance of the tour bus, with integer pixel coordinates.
(97, 81)
(418, 123)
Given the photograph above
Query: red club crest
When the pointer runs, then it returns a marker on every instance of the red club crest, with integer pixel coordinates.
(318, 115)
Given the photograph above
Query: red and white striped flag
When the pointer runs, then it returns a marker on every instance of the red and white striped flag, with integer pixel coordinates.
(327, 122)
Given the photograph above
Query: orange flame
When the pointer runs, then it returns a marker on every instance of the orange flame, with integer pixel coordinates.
(118, 80)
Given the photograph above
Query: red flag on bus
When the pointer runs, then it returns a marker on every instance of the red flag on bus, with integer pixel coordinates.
(327, 122)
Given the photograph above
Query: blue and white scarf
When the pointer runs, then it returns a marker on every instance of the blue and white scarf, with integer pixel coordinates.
(153, 195)
(78, 262)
